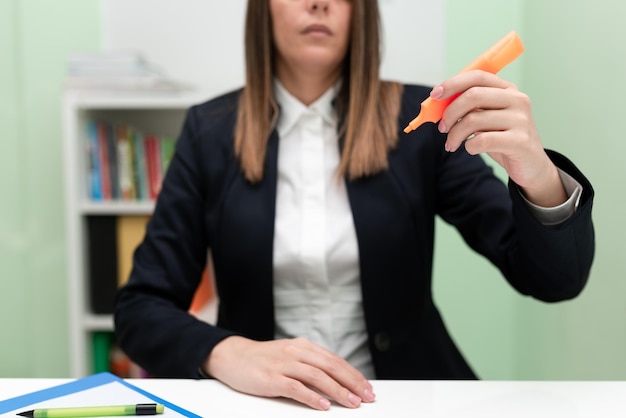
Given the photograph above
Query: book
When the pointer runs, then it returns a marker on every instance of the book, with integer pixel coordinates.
(168, 145)
(116, 70)
(139, 165)
(130, 231)
(96, 61)
(103, 158)
(111, 141)
(101, 263)
(95, 187)
(125, 163)
(122, 82)
(153, 165)
(101, 342)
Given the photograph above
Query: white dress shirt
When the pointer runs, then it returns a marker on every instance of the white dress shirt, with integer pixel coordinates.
(317, 292)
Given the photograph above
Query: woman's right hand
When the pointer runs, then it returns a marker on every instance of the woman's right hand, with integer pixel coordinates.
(293, 368)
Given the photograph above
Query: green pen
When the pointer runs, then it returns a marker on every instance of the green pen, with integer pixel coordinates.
(96, 411)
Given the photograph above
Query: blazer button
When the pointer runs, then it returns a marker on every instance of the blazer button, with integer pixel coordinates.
(382, 342)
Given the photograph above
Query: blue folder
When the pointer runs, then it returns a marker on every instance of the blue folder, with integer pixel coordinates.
(78, 385)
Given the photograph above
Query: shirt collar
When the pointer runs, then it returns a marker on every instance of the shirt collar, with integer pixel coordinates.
(291, 109)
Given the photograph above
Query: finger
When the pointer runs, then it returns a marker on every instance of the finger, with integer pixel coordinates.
(461, 82)
(296, 390)
(476, 122)
(341, 371)
(502, 142)
(320, 381)
(473, 99)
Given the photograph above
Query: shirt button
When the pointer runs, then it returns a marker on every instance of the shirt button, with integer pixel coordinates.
(382, 342)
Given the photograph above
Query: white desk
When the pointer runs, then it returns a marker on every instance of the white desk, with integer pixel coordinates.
(395, 399)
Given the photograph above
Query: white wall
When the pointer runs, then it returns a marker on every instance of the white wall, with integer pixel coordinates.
(414, 40)
(201, 41)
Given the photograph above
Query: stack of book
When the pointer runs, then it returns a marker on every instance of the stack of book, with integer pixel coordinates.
(117, 70)
(125, 164)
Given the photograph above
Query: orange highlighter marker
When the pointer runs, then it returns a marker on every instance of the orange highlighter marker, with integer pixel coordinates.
(505, 51)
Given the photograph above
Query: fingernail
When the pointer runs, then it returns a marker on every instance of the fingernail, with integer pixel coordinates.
(442, 127)
(447, 147)
(368, 395)
(324, 404)
(354, 400)
(436, 92)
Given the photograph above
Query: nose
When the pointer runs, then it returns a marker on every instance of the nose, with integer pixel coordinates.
(319, 5)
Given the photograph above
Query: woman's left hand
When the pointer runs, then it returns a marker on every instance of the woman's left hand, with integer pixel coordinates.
(492, 116)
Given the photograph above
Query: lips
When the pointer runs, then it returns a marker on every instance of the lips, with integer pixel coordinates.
(317, 29)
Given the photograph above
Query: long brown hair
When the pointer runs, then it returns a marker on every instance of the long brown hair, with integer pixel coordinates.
(367, 107)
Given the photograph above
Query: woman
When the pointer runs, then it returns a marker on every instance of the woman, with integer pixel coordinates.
(319, 215)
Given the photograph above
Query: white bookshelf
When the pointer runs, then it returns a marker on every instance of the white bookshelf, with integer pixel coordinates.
(161, 113)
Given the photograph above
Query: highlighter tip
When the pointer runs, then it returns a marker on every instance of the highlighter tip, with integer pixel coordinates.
(419, 120)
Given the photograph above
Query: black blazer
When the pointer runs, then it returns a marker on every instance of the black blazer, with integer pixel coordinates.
(205, 203)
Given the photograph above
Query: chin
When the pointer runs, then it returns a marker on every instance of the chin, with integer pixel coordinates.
(321, 61)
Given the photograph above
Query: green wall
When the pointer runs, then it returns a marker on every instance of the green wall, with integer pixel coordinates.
(13, 301)
(477, 304)
(35, 37)
(573, 69)
(577, 77)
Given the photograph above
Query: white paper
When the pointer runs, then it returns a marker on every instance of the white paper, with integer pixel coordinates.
(113, 393)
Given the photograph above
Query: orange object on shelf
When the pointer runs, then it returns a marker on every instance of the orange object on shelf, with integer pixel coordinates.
(503, 52)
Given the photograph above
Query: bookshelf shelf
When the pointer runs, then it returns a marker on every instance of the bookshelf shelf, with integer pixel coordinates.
(88, 207)
(115, 100)
(159, 113)
(93, 323)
